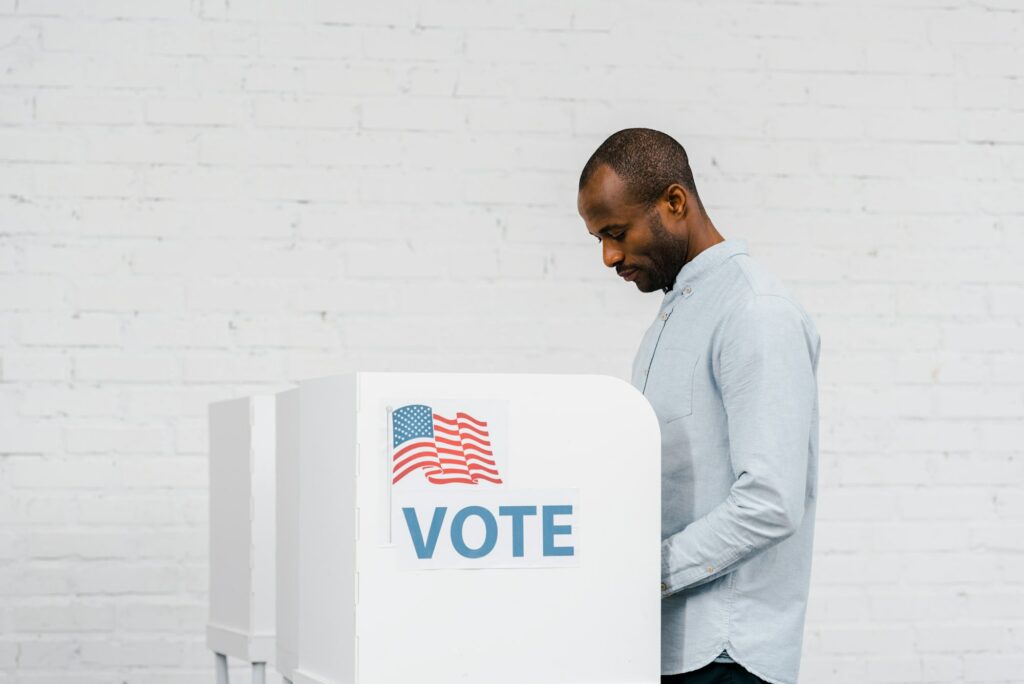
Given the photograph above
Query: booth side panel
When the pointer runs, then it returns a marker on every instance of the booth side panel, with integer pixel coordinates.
(327, 529)
(263, 456)
(286, 533)
(230, 540)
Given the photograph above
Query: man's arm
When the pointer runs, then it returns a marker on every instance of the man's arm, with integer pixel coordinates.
(765, 367)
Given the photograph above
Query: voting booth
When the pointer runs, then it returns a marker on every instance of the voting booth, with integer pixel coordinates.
(242, 540)
(467, 528)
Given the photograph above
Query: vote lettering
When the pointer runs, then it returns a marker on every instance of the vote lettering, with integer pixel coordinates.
(524, 520)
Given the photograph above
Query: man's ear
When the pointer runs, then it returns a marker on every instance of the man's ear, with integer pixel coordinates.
(678, 200)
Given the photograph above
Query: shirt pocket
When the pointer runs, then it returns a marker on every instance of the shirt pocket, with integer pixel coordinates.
(670, 382)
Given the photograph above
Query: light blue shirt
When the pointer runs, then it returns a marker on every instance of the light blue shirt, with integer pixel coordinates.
(730, 367)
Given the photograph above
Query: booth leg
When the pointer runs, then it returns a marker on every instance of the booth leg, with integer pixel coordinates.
(259, 673)
(221, 665)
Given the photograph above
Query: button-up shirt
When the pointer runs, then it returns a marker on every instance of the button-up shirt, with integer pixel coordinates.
(730, 367)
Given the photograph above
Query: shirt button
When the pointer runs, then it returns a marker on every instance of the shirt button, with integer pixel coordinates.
(664, 587)
(663, 316)
(687, 290)
(710, 569)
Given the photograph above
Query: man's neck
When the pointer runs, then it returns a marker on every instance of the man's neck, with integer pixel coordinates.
(705, 235)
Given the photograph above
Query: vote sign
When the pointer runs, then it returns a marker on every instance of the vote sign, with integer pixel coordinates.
(452, 506)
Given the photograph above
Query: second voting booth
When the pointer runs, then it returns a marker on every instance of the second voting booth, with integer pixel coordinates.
(465, 527)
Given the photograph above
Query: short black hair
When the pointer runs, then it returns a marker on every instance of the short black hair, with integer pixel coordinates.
(647, 160)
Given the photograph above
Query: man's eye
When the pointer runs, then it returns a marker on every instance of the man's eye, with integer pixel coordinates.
(612, 236)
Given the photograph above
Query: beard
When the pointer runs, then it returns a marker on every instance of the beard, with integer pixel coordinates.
(667, 256)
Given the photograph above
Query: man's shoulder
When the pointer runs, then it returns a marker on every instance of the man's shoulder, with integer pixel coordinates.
(754, 279)
(757, 291)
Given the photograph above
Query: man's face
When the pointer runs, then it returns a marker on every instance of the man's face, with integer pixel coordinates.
(634, 239)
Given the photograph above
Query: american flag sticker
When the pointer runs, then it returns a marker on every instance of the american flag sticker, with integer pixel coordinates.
(444, 443)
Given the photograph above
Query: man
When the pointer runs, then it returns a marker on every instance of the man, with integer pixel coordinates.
(730, 367)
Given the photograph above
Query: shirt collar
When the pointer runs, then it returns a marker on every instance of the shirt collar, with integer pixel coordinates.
(705, 262)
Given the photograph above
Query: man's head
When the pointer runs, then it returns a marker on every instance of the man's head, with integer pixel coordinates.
(638, 198)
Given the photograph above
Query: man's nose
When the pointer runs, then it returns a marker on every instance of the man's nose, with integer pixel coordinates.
(612, 255)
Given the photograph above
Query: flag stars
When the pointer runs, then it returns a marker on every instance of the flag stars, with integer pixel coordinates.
(413, 421)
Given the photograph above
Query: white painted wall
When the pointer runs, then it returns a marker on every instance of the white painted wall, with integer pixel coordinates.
(205, 198)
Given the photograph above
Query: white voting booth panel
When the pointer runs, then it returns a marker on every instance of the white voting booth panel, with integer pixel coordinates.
(470, 528)
(242, 521)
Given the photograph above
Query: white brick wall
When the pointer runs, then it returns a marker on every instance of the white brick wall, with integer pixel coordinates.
(200, 198)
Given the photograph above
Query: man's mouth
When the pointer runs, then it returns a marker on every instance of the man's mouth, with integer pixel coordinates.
(629, 274)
